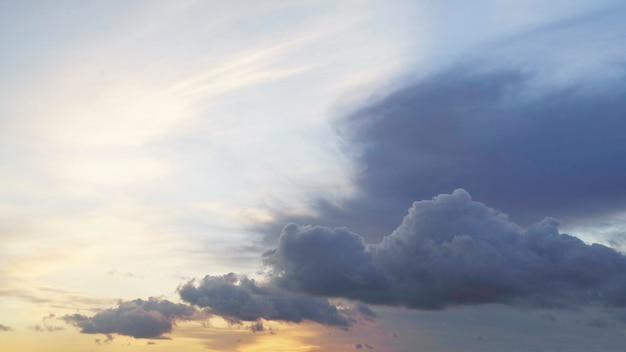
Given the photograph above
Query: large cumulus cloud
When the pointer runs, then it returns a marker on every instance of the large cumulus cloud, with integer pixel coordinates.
(447, 251)
(238, 298)
(138, 318)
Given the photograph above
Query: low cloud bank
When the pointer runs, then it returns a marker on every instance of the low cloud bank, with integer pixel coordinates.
(450, 251)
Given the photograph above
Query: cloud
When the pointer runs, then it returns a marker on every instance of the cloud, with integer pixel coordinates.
(548, 316)
(115, 272)
(45, 326)
(521, 127)
(528, 147)
(238, 298)
(58, 298)
(108, 340)
(257, 327)
(137, 318)
(365, 310)
(597, 323)
(450, 251)
(5, 328)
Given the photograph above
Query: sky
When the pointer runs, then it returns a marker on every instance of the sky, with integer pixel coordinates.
(437, 176)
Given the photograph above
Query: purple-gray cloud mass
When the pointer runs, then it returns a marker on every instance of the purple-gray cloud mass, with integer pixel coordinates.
(238, 298)
(523, 127)
(450, 251)
(45, 326)
(447, 251)
(138, 318)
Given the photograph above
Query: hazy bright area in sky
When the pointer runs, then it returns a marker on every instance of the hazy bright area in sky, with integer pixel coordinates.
(312, 175)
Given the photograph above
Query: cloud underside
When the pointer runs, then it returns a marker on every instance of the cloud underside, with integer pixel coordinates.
(517, 141)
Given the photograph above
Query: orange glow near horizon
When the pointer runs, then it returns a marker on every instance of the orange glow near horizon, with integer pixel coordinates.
(215, 335)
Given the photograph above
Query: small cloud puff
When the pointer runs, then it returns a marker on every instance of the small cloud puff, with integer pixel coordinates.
(137, 318)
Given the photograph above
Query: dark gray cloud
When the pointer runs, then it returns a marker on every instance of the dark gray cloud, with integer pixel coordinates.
(239, 298)
(365, 310)
(5, 328)
(57, 298)
(548, 316)
(448, 251)
(533, 128)
(138, 318)
(257, 327)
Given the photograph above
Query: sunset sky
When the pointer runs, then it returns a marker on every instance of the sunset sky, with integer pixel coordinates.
(313, 175)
